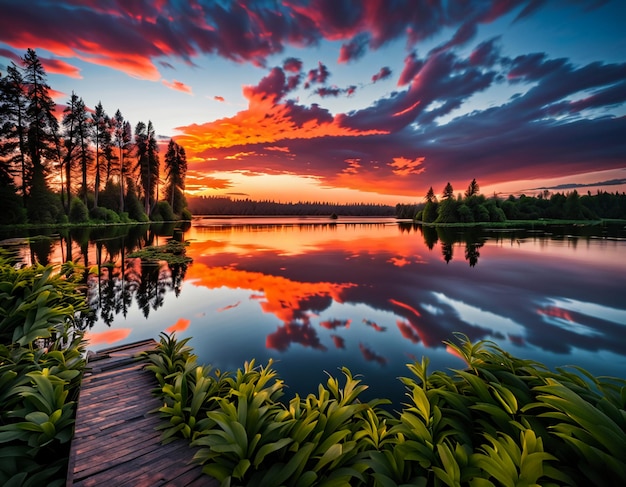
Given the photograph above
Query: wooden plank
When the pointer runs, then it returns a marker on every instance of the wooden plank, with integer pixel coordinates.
(115, 441)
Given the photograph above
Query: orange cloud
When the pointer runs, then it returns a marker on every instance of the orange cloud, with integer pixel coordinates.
(178, 86)
(403, 166)
(264, 122)
(286, 299)
(353, 166)
(108, 336)
(181, 325)
(240, 155)
(277, 148)
(219, 98)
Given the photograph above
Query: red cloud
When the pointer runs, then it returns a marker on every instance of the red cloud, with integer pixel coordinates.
(354, 49)
(57, 66)
(178, 86)
(318, 75)
(219, 98)
(266, 121)
(292, 64)
(383, 73)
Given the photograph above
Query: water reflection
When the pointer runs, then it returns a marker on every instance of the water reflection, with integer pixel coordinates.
(372, 296)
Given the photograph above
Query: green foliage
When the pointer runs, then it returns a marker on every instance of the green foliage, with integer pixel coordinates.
(41, 362)
(109, 197)
(104, 215)
(429, 214)
(501, 421)
(447, 211)
(35, 303)
(133, 206)
(13, 212)
(78, 211)
(558, 206)
(163, 212)
(186, 214)
(173, 252)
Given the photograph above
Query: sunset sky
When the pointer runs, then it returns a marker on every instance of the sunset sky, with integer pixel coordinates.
(350, 101)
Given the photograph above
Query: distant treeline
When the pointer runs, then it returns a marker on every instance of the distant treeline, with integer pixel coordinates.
(224, 205)
(474, 207)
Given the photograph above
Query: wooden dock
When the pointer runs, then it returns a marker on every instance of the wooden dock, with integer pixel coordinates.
(115, 442)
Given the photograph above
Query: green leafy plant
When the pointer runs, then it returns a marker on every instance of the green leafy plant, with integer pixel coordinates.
(502, 421)
(41, 362)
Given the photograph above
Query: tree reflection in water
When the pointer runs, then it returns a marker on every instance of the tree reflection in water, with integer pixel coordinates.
(111, 280)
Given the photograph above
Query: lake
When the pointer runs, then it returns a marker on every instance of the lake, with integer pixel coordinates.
(371, 294)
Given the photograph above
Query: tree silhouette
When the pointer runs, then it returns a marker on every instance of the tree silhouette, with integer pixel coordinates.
(42, 134)
(175, 172)
(13, 146)
(99, 131)
(472, 190)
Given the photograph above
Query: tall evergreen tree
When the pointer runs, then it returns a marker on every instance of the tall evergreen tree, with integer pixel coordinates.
(70, 142)
(123, 138)
(175, 172)
(84, 150)
(472, 190)
(430, 195)
(448, 192)
(99, 129)
(13, 127)
(42, 134)
(153, 168)
(108, 149)
(141, 153)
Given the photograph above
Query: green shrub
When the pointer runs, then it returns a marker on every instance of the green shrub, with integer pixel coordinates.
(134, 208)
(104, 215)
(78, 211)
(163, 212)
(186, 214)
(500, 421)
(41, 362)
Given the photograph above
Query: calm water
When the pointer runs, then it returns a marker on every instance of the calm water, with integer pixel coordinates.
(369, 294)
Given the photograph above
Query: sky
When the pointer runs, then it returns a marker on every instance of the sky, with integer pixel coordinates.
(342, 101)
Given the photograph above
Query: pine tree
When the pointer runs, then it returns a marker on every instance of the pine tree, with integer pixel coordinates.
(13, 128)
(99, 131)
(430, 195)
(175, 172)
(448, 192)
(42, 135)
(123, 137)
(70, 143)
(153, 169)
(472, 190)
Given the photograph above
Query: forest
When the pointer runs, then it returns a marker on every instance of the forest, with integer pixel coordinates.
(224, 205)
(83, 165)
(473, 207)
